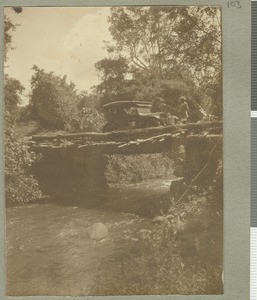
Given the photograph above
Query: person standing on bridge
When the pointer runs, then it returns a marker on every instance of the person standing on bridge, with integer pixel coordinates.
(183, 110)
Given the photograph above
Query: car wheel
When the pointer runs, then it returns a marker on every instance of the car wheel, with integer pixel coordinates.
(152, 123)
(109, 127)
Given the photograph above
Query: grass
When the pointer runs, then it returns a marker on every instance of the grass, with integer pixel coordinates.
(181, 255)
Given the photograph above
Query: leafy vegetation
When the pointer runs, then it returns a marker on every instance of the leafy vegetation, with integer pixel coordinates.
(90, 117)
(129, 169)
(20, 185)
(162, 52)
(53, 101)
(167, 52)
(56, 105)
(182, 254)
(9, 27)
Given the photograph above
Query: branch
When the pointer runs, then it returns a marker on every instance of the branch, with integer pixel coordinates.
(141, 67)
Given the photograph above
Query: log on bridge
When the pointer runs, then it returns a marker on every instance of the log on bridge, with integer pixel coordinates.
(73, 166)
(138, 141)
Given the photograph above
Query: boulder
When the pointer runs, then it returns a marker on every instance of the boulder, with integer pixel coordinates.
(97, 231)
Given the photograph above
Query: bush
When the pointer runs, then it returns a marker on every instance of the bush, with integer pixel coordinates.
(90, 118)
(157, 264)
(20, 185)
(53, 101)
(181, 254)
(129, 169)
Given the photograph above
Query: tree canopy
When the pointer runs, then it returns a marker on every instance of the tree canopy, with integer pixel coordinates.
(113, 75)
(9, 27)
(156, 45)
(53, 100)
(20, 185)
(164, 38)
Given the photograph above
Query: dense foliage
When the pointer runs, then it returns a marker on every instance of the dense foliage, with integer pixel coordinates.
(9, 27)
(91, 119)
(163, 38)
(182, 253)
(129, 169)
(56, 104)
(165, 52)
(176, 47)
(20, 185)
(53, 100)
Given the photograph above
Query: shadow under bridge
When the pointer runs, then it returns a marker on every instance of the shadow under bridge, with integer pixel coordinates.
(74, 165)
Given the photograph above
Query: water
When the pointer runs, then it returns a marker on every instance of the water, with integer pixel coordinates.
(48, 248)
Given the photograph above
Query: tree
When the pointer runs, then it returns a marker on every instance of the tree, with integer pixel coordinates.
(9, 27)
(163, 38)
(53, 101)
(166, 51)
(20, 185)
(12, 97)
(90, 118)
(113, 73)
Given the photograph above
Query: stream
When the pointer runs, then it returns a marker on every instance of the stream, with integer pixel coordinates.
(49, 252)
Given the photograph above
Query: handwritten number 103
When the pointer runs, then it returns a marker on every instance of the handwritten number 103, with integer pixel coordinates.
(234, 4)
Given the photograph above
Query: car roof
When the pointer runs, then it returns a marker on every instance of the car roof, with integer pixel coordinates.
(127, 104)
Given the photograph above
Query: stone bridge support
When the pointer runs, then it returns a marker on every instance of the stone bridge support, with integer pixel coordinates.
(75, 168)
(72, 175)
(195, 159)
(205, 152)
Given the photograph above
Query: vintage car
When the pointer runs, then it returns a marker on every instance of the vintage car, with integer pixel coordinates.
(124, 115)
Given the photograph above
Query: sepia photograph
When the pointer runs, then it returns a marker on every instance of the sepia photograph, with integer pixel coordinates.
(113, 148)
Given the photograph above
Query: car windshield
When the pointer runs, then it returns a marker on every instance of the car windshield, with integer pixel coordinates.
(131, 111)
(143, 110)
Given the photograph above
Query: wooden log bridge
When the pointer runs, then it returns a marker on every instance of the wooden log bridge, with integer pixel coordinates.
(137, 141)
(73, 166)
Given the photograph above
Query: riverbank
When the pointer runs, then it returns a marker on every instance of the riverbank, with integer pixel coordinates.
(50, 253)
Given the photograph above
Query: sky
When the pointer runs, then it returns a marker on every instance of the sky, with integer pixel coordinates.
(64, 40)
